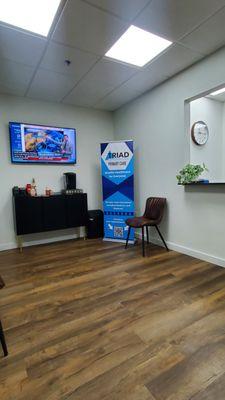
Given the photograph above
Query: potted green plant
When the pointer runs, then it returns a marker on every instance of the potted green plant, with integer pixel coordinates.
(190, 173)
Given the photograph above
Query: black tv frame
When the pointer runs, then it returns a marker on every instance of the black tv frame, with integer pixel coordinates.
(42, 162)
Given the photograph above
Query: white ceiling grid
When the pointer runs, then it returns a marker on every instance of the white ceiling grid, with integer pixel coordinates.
(84, 30)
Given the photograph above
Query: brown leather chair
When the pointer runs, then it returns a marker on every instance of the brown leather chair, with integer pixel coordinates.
(2, 336)
(152, 216)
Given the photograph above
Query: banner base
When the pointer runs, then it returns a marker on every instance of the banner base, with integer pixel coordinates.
(118, 240)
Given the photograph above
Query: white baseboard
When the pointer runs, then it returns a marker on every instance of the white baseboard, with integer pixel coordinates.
(7, 246)
(13, 245)
(172, 246)
(188, 251)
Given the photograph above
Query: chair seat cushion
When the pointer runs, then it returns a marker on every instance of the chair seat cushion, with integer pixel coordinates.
(138, 222)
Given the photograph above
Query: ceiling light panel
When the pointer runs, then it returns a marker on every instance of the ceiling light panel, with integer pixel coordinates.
(32, 15)
(137, 47)
(217, 92)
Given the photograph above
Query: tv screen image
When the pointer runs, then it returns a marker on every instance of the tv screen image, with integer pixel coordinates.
(32, 143)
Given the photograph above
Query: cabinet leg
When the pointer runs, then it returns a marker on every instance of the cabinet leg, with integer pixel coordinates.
(85, 233)
(20, 243)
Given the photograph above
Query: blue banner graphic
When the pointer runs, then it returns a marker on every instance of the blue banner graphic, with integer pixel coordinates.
(117, 162)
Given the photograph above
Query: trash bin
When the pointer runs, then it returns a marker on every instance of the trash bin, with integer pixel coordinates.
(95, 227)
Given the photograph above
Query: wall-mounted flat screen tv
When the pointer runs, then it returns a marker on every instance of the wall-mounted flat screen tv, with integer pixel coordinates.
(38, 144)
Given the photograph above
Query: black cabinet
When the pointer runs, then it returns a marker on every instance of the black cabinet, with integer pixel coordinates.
(28, 215)
(54, 216)
(73, 203)
(41, 214)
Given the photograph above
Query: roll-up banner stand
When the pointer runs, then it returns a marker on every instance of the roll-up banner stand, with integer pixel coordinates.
(117, 164)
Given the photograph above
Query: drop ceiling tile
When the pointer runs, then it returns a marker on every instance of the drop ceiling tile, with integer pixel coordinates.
(20, 47)
(14, 77)
(117, 98)
(50, 86)
(171, 62)
(145, 80)
(111, 72)
(87, 93)
(126, 9)
(174, 60)
(88, 28)
(210, 36)
(172, 19)
(56, 55)
(134, 87)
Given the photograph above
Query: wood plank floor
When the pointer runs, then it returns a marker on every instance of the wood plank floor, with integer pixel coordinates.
(87, 320)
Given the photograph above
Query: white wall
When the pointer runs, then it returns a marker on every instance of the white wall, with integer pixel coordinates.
(211, 153)
(92, 127)
(223, 142)
(195, 216)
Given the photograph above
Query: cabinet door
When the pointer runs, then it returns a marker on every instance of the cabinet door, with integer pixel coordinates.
(76, 210)
(54, 215)
(28, 212)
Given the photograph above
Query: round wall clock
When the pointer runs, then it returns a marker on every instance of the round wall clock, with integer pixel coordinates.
(199, 133)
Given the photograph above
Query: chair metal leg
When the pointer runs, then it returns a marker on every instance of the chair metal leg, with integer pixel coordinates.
(3, 342)
(147, 234)
(143, 240)
(161, 236)
(128, 235)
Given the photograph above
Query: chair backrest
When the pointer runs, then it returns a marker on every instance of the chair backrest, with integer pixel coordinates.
(154, 208)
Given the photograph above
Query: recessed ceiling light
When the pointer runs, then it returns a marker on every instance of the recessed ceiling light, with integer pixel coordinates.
(217, 92)
(32, 15)
(137, 47)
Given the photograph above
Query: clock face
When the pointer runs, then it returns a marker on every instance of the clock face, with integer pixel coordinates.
(199, 133)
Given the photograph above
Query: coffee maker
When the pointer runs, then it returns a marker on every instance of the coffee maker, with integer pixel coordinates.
(70, 181)
(70, 184)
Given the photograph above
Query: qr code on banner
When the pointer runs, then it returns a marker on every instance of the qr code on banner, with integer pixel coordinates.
(118, 231)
